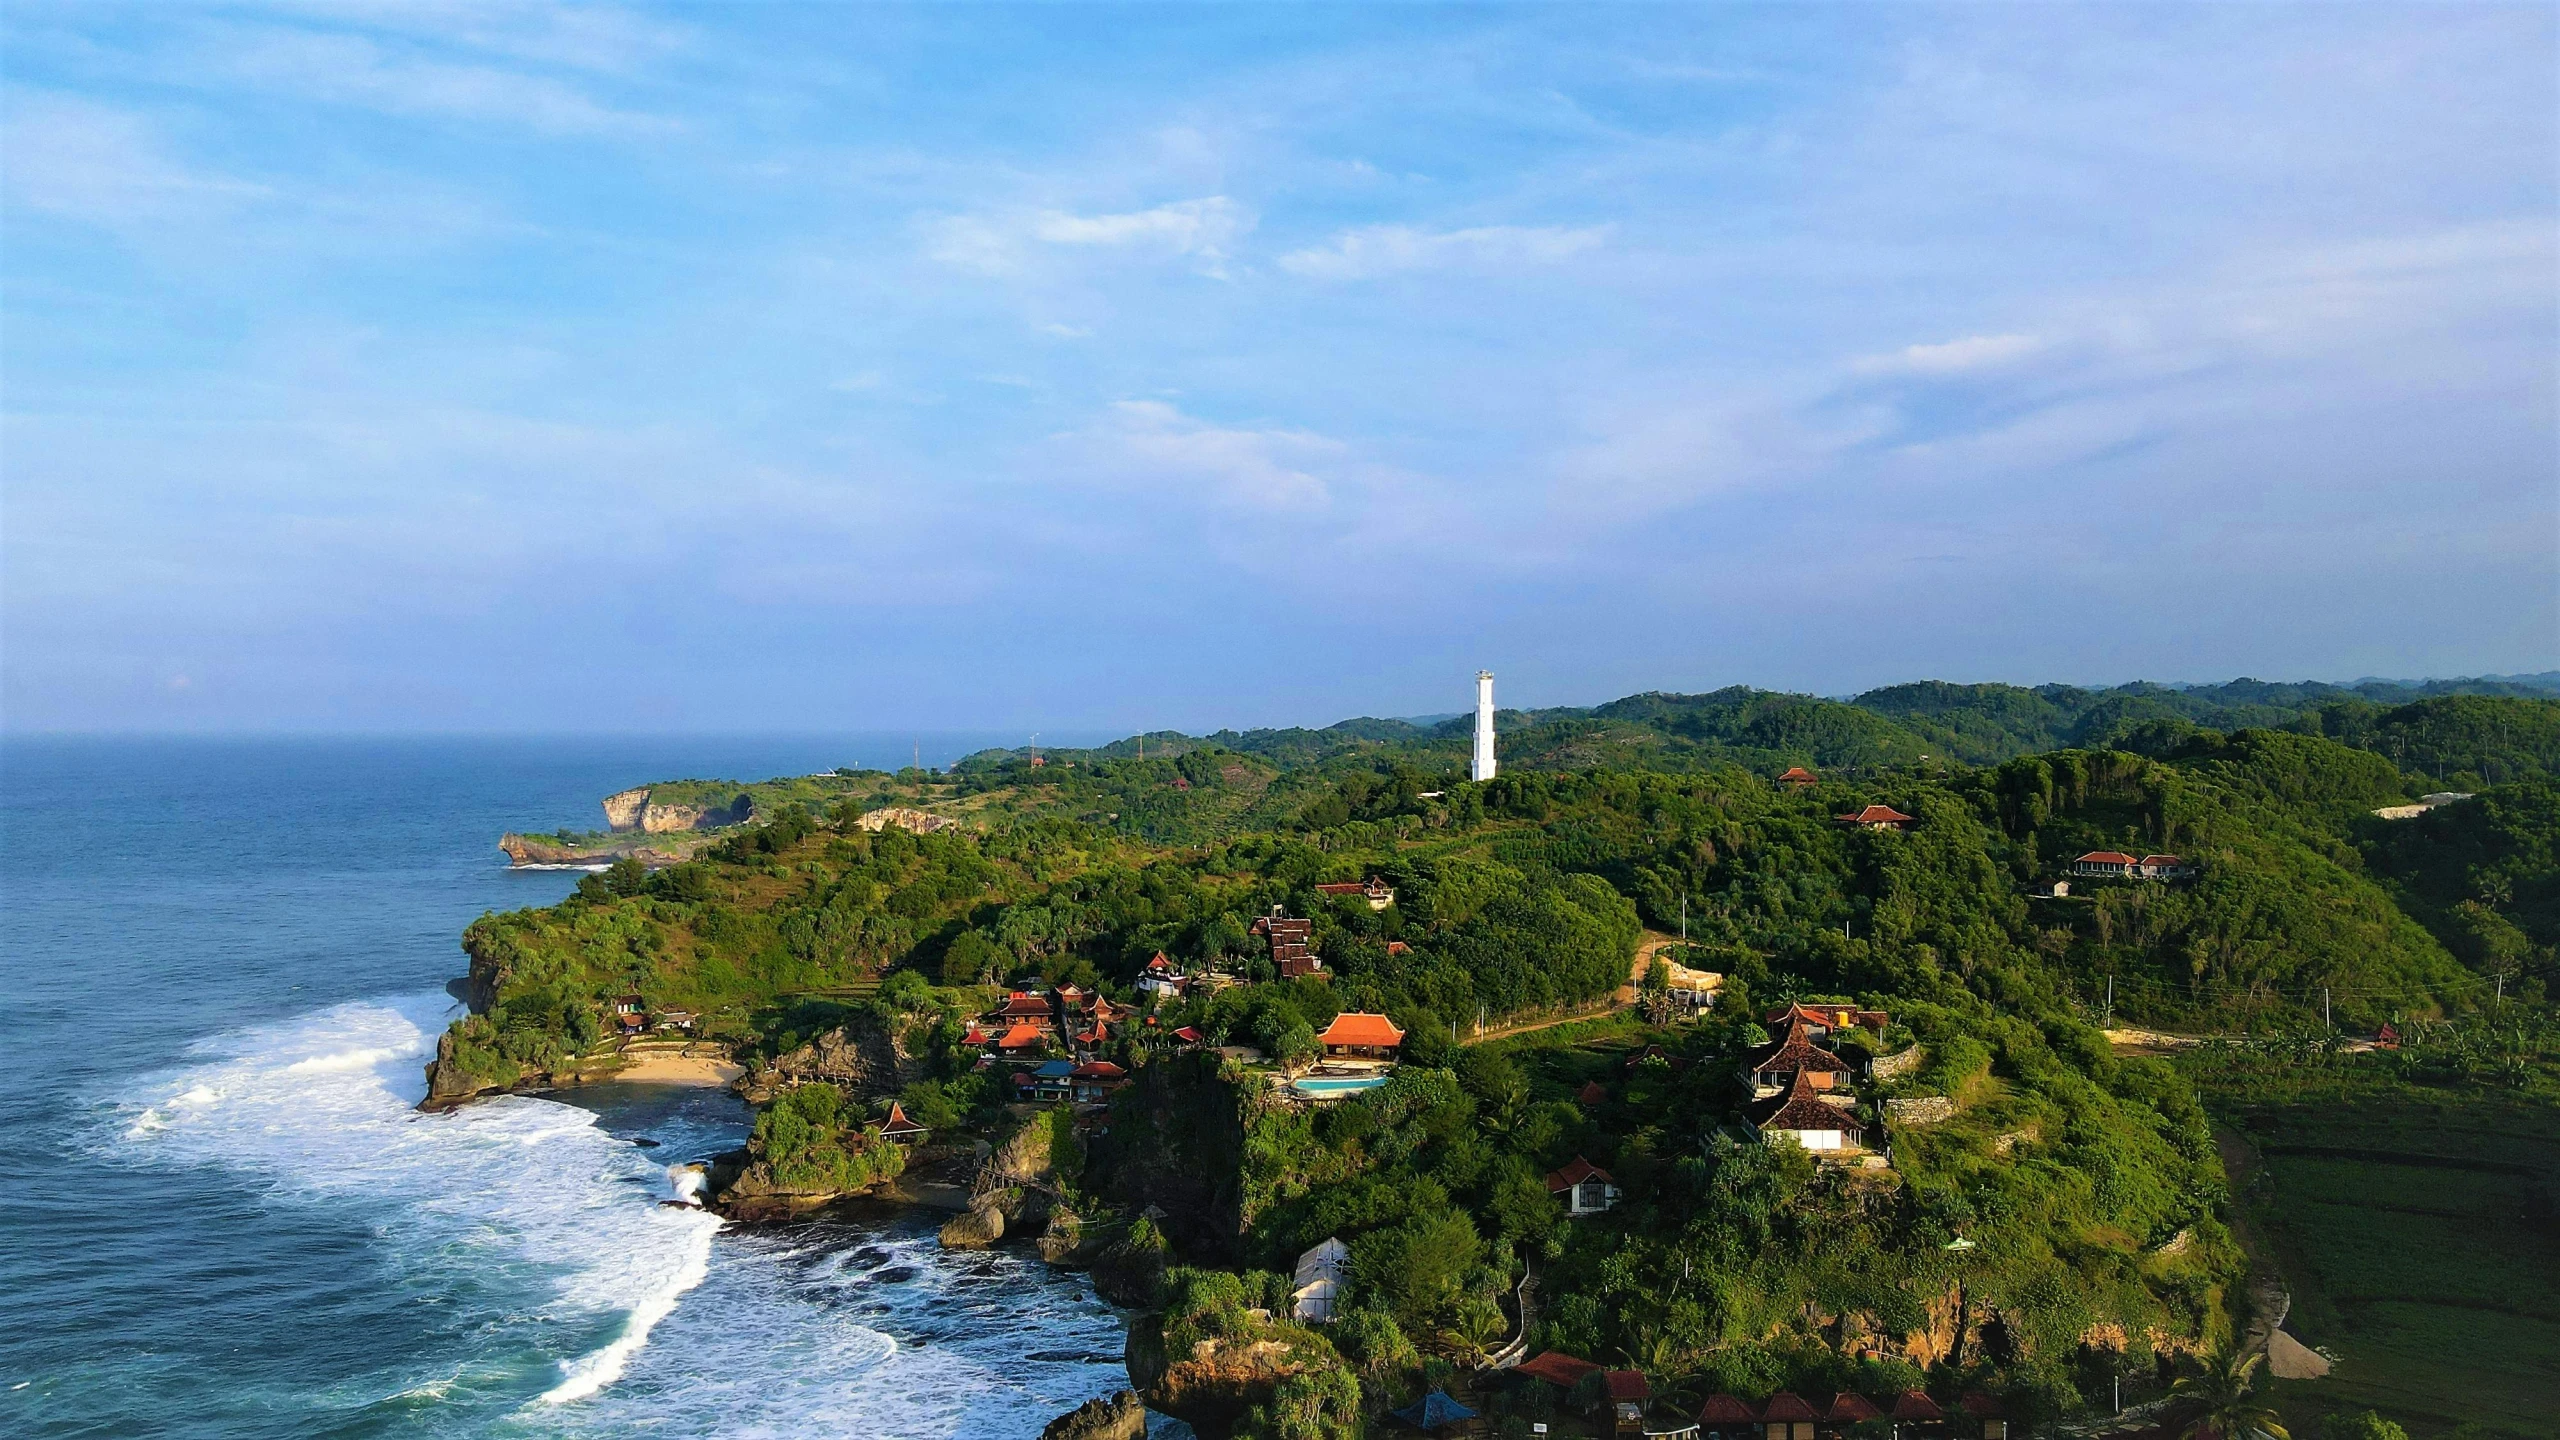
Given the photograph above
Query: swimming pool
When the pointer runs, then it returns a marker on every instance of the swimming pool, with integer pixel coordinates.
(1335, 1087)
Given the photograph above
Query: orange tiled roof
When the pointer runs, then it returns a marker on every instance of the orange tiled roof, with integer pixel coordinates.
(1356, 1027)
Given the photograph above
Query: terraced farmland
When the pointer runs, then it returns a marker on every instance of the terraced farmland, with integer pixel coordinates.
(2420, 1241)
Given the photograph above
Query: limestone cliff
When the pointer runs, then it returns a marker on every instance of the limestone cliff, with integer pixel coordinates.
(1214, 1381)
(864, 1055)
(622, 809)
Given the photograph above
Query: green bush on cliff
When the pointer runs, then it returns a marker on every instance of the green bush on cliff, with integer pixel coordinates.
(812, 1140)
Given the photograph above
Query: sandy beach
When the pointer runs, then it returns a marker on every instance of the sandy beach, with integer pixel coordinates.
(680, 1070)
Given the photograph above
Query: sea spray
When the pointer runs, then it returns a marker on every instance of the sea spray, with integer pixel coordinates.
(584, 1377)
(529, 1193)
(569, 1301)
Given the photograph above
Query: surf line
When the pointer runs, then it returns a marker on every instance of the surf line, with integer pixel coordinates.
(585, 1376)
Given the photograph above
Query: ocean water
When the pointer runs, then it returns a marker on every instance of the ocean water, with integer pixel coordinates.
(225, 963)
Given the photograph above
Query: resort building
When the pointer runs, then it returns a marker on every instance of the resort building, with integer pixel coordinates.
(1094, 1082)
(1778, 1067)
(1289, 937)
(1159, 980)
(1358, 1033)
(1024, 1008)
(1807, 1117)
(1554, 1367)
(1585, 1188)
(901, 1129)
(1789, 1416)
(1821, 1020)
(1799, 777)
(1627, 1391)
(1377, 892)
(2116, 865)
(1053, 1081)
(1876, 817)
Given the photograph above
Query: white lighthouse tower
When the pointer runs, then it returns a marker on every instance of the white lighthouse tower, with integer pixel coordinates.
(1482, 768)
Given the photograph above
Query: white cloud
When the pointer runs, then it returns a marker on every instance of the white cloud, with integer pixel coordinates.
(1203, 231)
(92, 162)
(351, 70)
(1388, 249)
(1268, 472)
(1953, 357)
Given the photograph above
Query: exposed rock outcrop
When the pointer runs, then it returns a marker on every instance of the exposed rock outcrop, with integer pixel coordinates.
(551, 850)
(976, 1228)
(1120, 1417)
(1068, 1242)
(622, 809)
(909, 819)
(1218, 1380)
(447, 1085)
(864, 1055)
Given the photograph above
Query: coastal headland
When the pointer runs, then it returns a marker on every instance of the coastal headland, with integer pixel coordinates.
(1739, 1034)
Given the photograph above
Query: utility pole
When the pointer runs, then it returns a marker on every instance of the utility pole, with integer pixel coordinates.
(2111, 1001)
(1684, 919)
(2324, 1007)
(2502, 992)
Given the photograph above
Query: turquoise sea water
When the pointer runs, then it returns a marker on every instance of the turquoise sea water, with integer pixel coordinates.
(225, 964)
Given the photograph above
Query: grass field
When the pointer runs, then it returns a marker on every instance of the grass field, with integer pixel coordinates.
(2417, 1233)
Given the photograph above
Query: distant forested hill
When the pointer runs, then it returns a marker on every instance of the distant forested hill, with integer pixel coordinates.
(2442, 734)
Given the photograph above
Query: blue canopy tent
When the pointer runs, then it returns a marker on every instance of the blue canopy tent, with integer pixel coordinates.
(1433, 1411)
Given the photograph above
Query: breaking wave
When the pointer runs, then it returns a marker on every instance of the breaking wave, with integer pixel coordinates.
(322, 1107)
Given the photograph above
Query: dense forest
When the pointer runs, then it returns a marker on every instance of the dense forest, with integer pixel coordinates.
(2065, 1220)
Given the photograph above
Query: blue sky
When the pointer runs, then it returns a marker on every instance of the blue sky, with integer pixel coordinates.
(405, 366)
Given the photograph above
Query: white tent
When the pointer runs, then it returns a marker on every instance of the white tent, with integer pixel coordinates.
(1317, 1285)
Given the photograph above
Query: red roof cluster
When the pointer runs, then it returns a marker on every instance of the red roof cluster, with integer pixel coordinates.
(1846, 1408)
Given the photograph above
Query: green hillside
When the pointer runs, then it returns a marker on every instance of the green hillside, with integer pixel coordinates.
(2097, 1236)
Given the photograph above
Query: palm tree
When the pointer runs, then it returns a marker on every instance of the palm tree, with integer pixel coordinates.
(2219, 1406)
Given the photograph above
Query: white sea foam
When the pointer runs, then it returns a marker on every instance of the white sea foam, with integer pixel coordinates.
(321, 1109)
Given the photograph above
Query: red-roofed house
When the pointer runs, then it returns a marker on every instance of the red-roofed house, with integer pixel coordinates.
(1356, 1032)
(1788, 1417)
(1822, 1018)
(2386, 1038)
(1585, 1188)
(1023, 1040)
(1095, 1080)
(1797, 775)
(1188, 1035)
(1728, 1417)
(1987, 1412)
(1023, 1008)
(901, 1129)
(1160, 979)
(1849, 1408)
(2163, 867)
(1627, 1393)
(1591, 1093)
(1775, 1068)
(1876, 817)
(1802, 1115)
(1291, 940)
(2110, 863)
(1377, 892)
(1556, 1368)
(1914, 1407)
